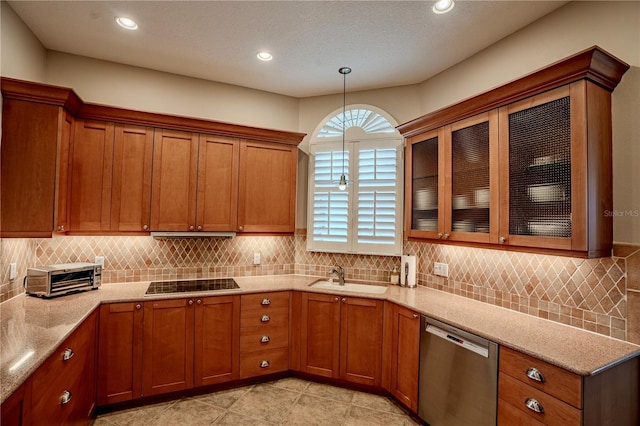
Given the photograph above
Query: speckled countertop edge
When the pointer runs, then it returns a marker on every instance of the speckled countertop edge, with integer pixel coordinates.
(30, 323)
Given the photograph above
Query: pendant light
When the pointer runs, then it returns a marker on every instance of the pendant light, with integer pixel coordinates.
(344, 71)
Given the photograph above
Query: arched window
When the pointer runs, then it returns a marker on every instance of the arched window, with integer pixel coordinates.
(365, 218)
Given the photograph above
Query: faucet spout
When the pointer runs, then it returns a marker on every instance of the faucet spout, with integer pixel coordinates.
(339, 272)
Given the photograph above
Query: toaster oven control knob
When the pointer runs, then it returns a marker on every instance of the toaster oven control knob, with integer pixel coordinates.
(145, 227)
(67, 354)
(65, 398)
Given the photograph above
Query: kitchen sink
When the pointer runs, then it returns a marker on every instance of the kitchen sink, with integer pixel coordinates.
(350, 287)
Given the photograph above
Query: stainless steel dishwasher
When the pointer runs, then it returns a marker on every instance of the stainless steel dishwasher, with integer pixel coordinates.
(458, 382)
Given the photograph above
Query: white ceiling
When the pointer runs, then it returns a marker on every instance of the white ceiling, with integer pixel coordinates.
(386, 43)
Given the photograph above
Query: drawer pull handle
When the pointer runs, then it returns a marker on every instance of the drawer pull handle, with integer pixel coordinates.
(264, 339)
(266, 301)
(533, 405)
(67, 354)
(264, 364)
(265, 318)
(65, 398)
(535, 374)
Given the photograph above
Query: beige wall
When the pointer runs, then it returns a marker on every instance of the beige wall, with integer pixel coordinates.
(23, 56)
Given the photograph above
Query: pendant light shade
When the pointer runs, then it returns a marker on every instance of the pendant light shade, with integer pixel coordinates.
(344, 71)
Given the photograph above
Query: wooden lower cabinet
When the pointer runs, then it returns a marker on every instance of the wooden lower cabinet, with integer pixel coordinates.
(341, 337)
(217, 337)
(533, 392)
(120, 352)
(189, 342)
(16, 410)
(63, 388)
(401, 353)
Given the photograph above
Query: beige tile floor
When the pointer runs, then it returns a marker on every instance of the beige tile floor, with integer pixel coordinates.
(289, 401)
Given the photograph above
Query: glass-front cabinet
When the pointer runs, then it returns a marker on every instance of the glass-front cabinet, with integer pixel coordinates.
(527, 165)
(423, 209)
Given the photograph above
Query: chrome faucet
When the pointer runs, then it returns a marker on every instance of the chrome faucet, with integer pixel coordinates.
(339, 272)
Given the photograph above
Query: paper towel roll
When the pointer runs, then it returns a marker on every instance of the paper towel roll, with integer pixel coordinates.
(408, 271)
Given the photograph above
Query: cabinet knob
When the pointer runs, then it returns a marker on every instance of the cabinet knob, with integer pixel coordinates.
(199, 227)
(145, 227)
(190, 302)
(416, 316)
(502, 240)
(240, 228)
(191, 228)
(264, 364)
(67, 354)
(266, 302)
(439, 234)
(336, 299)
(264, 339)
(344, 300)
(65, 398)
(265, 318)
(533, 405)
(535, 374)
(199, 302)
(138, 306)
(445, 237)
(61, 228)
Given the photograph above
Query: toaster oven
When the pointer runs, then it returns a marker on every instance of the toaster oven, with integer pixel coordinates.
(58, 280)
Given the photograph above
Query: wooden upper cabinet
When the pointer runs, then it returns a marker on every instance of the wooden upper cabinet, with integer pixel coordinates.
(63, 178)
(538, 176)
(217, 201)
(131, 191)
(35, 140)
(174, 178)
(91, 172)
(267, 192)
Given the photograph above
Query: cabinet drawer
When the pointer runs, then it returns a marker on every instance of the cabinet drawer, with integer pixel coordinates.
(556, 381)
(554, 412)
(508, 415)
(278, 317)
(260, 338)
(265, 301)
(264, 362)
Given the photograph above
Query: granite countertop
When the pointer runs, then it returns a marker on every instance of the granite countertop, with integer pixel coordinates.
(32, 328)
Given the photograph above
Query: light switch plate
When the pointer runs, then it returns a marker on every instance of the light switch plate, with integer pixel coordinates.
(13, 271)
(441, 269)
(256, 258)
(100, 261)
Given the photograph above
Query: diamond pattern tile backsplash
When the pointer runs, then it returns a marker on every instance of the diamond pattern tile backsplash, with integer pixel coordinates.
(587, 293)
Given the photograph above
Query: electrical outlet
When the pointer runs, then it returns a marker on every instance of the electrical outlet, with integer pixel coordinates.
(256, 258)
(441, 269)
(100, 261)
(13, 271)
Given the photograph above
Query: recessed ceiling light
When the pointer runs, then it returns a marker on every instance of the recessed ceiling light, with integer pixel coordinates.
(443, 6)
(127, 23)
(264, 56)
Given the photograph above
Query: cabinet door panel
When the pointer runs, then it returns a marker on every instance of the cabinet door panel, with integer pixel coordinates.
(120, 353)
(91, 172)
(267, 194)
(173, 197)
(29, 141)
(168, 346)
(425, 185)
(131, 198)
(218, 163)
(320, 334)
(63, 178)
(217, 340)
(405, 356)
(361, 340)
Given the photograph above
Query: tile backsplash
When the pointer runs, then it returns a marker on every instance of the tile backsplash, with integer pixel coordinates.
(600, 295)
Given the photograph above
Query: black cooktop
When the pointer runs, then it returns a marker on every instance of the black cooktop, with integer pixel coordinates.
(186, 286)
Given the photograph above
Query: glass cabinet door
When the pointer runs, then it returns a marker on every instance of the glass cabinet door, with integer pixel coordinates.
(471, 208)
(425, 185)
(538, 182)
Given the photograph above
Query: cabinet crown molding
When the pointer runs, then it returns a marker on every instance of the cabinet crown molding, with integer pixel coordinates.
(593, 64)
(68, 99)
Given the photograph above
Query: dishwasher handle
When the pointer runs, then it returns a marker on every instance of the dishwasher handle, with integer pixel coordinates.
(479, 348)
